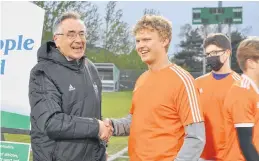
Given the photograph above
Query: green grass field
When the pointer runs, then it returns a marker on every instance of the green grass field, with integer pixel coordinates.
(114, 105)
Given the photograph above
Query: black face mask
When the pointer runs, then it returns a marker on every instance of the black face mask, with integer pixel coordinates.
(214, 62)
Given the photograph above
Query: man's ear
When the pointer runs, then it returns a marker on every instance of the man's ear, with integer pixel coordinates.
(250, 64)
(165, 42)
(229, 53)
(55, 39)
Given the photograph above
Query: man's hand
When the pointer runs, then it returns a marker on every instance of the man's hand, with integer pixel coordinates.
(105, 131)
(107, 122)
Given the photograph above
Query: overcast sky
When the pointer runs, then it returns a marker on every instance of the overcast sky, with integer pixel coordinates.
(180, 13)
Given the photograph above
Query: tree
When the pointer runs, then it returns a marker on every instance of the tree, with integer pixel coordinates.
(236, 38)
(116, 35)
(151, 12)
(190, 56)
(87, 10)
(52, 10)
(131, 61)
(122, 61)
(93, 21)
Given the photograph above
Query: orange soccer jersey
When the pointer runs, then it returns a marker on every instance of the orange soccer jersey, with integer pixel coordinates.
(163, 103)
(241, 110)
(212, 94)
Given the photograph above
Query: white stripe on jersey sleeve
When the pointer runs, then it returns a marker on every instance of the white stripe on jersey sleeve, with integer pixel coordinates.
(190, 91)
(236, 77)
(244, 125)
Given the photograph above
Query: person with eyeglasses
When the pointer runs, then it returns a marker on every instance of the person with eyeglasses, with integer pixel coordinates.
(213, 88)
(65, 98)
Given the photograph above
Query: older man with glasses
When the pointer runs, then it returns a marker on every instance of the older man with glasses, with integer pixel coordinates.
(65, 98)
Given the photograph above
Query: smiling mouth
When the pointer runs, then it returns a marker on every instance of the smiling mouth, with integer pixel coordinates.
(144, 53)
(77, 48)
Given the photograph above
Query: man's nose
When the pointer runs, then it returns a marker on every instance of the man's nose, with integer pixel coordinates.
(141, 44)
(78, 38)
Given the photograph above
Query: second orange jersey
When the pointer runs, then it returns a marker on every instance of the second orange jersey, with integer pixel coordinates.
(212, 94)
(241, 109)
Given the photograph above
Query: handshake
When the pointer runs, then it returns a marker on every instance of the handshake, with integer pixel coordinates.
(105, 129)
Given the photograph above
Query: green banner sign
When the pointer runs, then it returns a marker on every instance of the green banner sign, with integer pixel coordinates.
(15, 121)
(14, 151)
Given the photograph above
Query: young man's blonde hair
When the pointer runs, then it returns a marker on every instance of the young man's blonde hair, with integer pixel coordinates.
(248, 49)
(158, 23)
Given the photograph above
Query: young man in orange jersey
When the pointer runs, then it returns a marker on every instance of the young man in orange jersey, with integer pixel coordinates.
(165, 121)
(213, 88)
(241, 108)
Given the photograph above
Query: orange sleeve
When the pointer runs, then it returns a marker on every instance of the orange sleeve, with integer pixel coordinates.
(134, 90)
(188, 103)
(131, 109)
(242, 112)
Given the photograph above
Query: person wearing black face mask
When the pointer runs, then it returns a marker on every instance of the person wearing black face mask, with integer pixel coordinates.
(213, 88)
(214, 61)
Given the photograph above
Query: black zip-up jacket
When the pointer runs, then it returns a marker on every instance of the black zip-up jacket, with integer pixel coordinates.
(65, 100)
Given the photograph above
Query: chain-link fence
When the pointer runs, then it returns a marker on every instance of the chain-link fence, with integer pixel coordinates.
(128, 78)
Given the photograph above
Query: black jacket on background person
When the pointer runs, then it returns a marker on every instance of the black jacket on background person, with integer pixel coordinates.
(65, 100)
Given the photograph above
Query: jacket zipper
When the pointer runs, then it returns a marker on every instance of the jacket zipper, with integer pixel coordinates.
(53, 156)
(94, 85)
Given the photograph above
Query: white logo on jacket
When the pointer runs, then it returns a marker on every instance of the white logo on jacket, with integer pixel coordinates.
(71, 88)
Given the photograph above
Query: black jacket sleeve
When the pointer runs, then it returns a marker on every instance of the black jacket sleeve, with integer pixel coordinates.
(46, 113)
(246, 143)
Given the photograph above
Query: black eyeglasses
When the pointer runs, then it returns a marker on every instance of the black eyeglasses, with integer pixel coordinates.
(214, 53)
(73, 35)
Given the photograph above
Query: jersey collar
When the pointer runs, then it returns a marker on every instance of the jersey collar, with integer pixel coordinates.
(252, 83)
